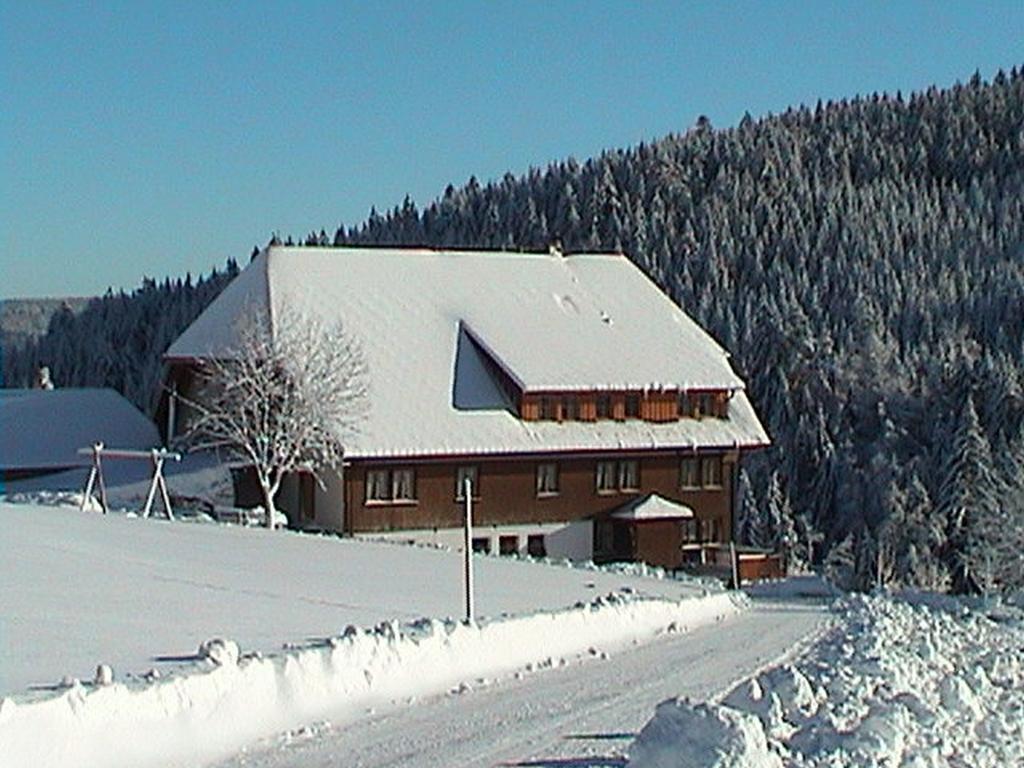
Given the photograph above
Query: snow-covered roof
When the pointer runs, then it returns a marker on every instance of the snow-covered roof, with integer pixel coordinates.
(652, 507)
(43, 429)
(428, 318)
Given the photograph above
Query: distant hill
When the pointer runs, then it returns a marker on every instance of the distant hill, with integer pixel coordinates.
(862, 260)
(24, 320)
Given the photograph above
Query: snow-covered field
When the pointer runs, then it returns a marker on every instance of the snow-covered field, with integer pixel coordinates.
(897, 682)
(80, 589)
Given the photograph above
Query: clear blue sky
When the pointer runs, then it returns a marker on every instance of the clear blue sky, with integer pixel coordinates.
(154, 138)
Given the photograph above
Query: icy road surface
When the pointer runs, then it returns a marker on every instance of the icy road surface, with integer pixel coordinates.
(584, 714)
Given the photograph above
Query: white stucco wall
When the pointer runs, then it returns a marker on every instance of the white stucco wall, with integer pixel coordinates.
(574, 541)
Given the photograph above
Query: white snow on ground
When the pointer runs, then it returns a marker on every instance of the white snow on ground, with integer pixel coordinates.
(582, 714)
(195, 717)
(897, 682)
(78, 589)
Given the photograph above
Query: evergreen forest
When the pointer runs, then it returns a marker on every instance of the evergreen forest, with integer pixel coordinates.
(862, 260)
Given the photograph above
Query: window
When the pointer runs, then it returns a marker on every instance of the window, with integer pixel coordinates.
(706, 404)
(691, 531)
(508, 545)
(604, 407)
(570, 409)
(535, 546)
(716, 531)
(386, 485)
(632, 406)
(482, 545)
(378, 485)
(687, 405)
(547, 479)
(629, 476)
(462, 474)
(403, 485)
(548, 408)
(605, 480)
(689, 472)
(711, 471)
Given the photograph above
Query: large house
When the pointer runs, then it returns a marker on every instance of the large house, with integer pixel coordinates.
(594, 418)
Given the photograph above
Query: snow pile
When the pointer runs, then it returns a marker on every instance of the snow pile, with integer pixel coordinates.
(894, 683)
(231, 699)
(682, 735)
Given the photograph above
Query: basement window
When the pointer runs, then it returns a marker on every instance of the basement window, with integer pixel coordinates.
(535, 545)
(508, 545)
(482, 545)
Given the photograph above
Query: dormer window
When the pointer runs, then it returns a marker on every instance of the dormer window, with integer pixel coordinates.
(570, 409)
(548, 408)
(632, 406)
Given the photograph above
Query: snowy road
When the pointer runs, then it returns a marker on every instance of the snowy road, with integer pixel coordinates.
(582, 715)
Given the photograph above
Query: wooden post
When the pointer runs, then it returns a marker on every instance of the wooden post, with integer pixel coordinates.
(95, 476)
(158, 457)
(735, 562)
(467, 559)
(172, 402)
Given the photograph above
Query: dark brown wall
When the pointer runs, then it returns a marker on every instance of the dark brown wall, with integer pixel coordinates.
(507, 493)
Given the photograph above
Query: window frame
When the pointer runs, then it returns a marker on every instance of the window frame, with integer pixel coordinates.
(377, 479)
(696, 475)
(718, 472)
(541, 472)
(472, 469)
(548, 408)
(621, 475)
(611, 475)
(395, 485)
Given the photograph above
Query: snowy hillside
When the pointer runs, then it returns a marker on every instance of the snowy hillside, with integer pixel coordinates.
(139, 597)
(893, 684)
(77, 589)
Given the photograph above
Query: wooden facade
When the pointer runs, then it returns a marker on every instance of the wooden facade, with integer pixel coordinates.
(647, 405)
(507, 495)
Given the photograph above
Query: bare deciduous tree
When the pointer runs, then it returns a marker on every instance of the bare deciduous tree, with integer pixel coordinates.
(285, 401)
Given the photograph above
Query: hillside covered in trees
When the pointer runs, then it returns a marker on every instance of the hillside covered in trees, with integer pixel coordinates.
(863, 261)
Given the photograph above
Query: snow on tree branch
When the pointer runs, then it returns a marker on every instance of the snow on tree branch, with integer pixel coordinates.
(287, 399)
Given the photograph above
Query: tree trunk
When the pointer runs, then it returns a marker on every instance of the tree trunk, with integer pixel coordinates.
(268, 504)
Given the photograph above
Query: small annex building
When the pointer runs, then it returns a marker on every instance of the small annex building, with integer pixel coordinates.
(566, 386)
(41, 430)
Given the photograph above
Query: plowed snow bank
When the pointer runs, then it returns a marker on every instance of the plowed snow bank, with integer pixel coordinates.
(200, 716)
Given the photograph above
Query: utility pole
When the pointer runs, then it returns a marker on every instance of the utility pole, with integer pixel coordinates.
(467, 549)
